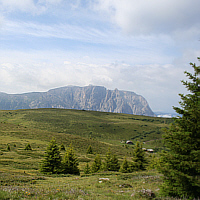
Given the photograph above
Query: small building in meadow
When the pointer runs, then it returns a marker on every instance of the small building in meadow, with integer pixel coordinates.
(129, 142)
(150, 150)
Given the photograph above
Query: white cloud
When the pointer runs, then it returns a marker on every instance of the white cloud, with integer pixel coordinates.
(159, 84)
(152, 16)
(11, 5)
(27, 6)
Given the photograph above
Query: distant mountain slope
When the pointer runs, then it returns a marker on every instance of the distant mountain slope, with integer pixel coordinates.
(96, 98)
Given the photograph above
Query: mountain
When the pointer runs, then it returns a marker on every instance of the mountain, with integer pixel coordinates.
(95, 98)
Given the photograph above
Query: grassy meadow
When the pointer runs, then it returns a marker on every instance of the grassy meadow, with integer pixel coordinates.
(19, 169)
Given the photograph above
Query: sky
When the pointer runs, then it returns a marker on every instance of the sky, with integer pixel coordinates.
(140, 46)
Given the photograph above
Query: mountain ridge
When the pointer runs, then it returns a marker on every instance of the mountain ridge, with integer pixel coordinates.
(97, 98)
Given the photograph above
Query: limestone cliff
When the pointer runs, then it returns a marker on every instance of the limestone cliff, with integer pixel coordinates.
(96, 98)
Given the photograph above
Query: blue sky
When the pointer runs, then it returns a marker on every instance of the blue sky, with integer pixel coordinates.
(141, 46)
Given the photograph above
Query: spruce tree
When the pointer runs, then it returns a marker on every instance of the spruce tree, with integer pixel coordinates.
(62, 147)
(181, 164)
(70, 162)
(8, 147)
(138, 157)
(112, 163)
(52, 159)
(97, 164)
(125, 167)
(89, 150)
(28, 147)
(87, 169)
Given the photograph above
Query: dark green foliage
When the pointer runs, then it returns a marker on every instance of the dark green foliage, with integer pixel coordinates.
(111, 162)
(181, 164)
(87, 169)
(125, 167)
(62, 147)
(52, 159)
(138, 157)
(70, 162)
(97, 164)
(28, 147)
(8, 147)
(89, 150)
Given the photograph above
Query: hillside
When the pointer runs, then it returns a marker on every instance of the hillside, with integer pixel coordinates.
(95, 98)
(19, 169)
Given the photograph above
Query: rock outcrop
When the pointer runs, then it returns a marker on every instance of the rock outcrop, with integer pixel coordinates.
(95, 98)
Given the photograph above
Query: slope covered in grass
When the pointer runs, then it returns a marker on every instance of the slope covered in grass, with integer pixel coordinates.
(19, 168)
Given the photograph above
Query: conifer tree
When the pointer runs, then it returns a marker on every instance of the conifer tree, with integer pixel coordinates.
(8, 147)
(125, 168)
(89, 150)
(138, 157)
(181, 164)
(62, 147)
(87, 169)
(70, 162)
(52, 159)
(28, 147)
(112, 163)
(97, 164)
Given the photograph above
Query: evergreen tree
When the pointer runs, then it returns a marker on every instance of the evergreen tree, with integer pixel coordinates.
(112, 163)
(125, 168)
(138, 157)
(28, 147)
(70, 162)
(181, 164)
(87, 169)
(97, 164)
(62, 147)
(89, 150)
(8, 147)
(52, 159)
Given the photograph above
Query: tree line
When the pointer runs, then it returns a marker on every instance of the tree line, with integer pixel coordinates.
(53, 162)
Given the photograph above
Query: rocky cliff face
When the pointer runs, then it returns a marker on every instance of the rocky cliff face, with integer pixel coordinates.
(72, 97)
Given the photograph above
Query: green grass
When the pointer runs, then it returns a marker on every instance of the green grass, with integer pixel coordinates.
(19, 168)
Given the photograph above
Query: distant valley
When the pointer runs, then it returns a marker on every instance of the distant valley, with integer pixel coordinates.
(96, 98)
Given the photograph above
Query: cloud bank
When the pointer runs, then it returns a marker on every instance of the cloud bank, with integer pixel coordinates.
(152, 17)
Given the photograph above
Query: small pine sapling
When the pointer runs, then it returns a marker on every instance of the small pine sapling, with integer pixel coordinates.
(8, 147)
(89, 150)
(62, 147)
(28, 147)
